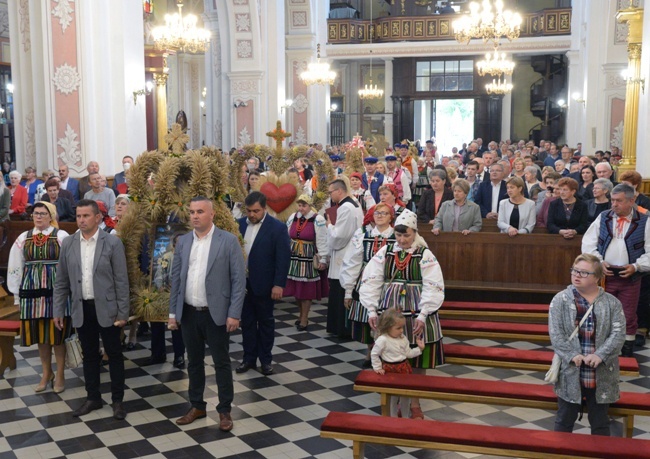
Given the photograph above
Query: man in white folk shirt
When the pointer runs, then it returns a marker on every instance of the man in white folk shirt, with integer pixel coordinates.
(349, 218)
(620, 237)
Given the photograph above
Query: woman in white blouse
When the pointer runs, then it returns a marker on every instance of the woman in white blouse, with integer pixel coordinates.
(517, 215)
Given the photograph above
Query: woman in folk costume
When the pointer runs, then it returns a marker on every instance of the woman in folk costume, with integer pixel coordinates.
(307, 279)
(359, 193)
(388, 194)
(31, 274)
(366, 242)
(406, 276)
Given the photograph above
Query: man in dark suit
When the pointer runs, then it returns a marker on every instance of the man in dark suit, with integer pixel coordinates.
(269, 253)
(92, 275)
(206, 299)
(68, 183)
(485, 195)
(120, 177)
(84, 182)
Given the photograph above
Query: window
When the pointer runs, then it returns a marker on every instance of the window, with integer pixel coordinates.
(442, 76)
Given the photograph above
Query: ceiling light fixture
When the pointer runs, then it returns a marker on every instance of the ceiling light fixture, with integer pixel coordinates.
(181, 33)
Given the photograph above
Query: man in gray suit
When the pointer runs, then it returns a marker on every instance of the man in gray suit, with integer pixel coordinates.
(207, 295)
(92, 275)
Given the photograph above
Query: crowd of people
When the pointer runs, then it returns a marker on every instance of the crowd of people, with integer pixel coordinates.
(362, 252)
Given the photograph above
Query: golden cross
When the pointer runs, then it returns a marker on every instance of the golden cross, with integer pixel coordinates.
(279, 135)
(177, 139)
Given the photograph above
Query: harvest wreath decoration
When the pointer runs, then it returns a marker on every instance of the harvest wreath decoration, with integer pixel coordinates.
(161, 185)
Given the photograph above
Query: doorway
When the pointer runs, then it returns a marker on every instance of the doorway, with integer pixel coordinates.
(450, 121)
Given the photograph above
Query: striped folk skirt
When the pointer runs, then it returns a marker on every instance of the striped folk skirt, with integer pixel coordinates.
(43, 331)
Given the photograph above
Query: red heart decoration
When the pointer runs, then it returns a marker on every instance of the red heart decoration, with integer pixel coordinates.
(279, 198)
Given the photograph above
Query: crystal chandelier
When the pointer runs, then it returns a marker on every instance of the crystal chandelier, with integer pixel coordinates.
(371, 91)
(318, 72)
(499, 86)
(490, 24)
(495, 64)
(181, 33)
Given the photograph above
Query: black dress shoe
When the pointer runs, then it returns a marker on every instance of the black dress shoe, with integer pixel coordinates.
(154, 361)
(628, 349)
(119, 412)
(244, 367)
(267, 370)
(179, 362)
(639, 340)
(87, 407)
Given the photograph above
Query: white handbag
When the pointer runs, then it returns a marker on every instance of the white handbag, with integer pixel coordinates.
(73, 352)
(554, 372)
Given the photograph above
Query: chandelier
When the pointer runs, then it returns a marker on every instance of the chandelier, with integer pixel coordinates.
(318, 72)
(181, 33)
(495, 64)
(499, 86)
(371, 91)
(490, 24)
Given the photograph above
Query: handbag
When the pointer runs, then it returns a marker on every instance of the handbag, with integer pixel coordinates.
(73, 352)
(554, 372)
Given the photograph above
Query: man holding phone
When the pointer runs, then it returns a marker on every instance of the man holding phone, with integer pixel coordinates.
(620, 238)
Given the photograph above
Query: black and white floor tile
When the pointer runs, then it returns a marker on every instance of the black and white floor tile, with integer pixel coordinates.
(275, 417)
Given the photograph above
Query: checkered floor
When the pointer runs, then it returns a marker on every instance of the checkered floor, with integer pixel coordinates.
(275, 417)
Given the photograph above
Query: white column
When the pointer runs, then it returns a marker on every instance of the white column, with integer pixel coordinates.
(506, 113)
(643, 136)
(576, 112)
(388, 102)
(274, 81)
(215, 84)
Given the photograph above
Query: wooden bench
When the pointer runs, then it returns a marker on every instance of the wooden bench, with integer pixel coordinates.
(506, 393)
(9, 329)
(516, 359)
(507, 312)
(494, 330)
(476, 439)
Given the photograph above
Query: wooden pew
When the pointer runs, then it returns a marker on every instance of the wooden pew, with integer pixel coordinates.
(493, 267)
(9, 329)
(506, 312)
(505, 393)
(476, 439)
(516, 359)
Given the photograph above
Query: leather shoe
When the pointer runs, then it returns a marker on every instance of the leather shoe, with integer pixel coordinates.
(87, 407)
(225, 422)
(119, 412)
(244, 367)
(191, 416)
(179, 362)
(639, 340)
(267, 369)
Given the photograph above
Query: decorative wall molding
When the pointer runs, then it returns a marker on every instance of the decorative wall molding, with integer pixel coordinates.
(70, 146)
(615, 81)
(300, 103)
(240, 2)
(4, 20)
(25, 39)
(63, 10)
(66, 79)
(299, 19)
(244, 49)
(196, 134)
(243, 22)
(301, 137)
(299, 67)
(244, 137)
(30, 141)
(217, 135)
(240, 87)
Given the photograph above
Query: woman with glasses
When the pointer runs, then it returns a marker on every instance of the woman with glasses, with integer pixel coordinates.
(366, 242)
(589, 369)
(460, 214)
(31, 275)
(307, 279)
(388, 195)
(601, 201)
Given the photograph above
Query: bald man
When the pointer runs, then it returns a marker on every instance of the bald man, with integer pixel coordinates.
(84, 184)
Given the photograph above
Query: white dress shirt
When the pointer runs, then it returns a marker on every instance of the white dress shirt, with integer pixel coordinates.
(197, 269)
(251, 233)
(495, 196)
(63, 184)
(87, 262)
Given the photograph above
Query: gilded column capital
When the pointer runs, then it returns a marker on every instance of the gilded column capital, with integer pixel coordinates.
(634, 19)
(160, 78)
(634, 51)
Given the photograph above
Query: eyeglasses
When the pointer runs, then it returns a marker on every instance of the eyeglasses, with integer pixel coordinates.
(382, 214)
(41, 214)
(579, 273)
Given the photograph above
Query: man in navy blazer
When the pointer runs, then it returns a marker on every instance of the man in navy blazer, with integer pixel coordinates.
(269, 253)
(68, 183)
(484, 193)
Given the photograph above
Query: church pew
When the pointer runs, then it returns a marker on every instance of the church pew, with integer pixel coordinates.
(516, 359)
(505, 393)
(507, 312)
(494, 330)
(476, 439)
(494, 267)
(9, 329)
